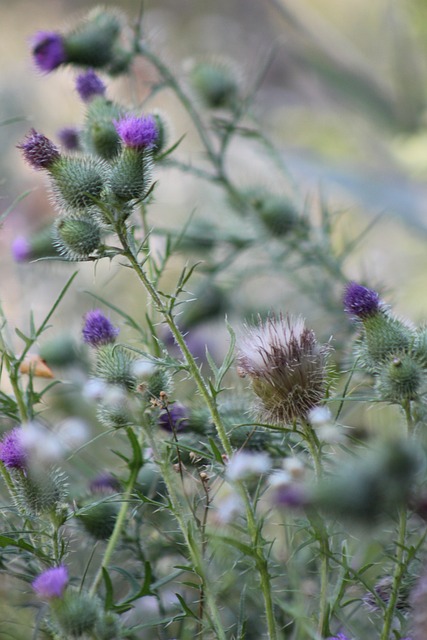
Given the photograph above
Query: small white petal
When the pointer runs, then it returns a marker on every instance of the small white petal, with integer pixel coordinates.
(243, 465)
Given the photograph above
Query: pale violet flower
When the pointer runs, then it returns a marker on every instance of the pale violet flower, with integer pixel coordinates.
(318, 416)
(228, 507)
(243, 465)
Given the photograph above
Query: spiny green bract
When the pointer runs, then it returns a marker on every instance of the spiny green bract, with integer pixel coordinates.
(383, 337)
(78, 182)
(114, 365)
(93, 41)
(76, 613)
(99, 519)
(216, 83)
(400, 379)
(39, 492)
(99, 135)
(76, 238)
(130, 176)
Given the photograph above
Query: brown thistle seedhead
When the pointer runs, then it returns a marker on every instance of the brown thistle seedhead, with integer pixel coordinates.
(286, 365)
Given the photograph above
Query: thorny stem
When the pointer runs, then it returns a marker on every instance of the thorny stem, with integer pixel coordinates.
(313, 446)
(400, 549)
(119, 524)
(261, 561)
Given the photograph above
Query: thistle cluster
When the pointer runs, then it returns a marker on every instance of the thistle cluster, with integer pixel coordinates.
(108, 172)
(389, 348)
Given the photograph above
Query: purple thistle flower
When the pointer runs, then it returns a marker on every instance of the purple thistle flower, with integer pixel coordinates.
(340, 636)
(104, 482)
(175, 418)
(39, 151)
(48, 50)
(291, 495)
(360, 301)
(69, 138)
(12, 452)
(98, 329)
(89, 85)
(21, 249)
(51, 583)
(138, 133)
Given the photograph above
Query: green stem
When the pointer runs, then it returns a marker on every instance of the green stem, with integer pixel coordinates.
(397, 576)
(118, 527)
(191, 364)
(314, 449)
(400, 548)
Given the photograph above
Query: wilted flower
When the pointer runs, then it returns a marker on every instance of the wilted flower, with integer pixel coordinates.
(98, 329)
(51, 583)
(138, 133)
(286, 365)
(13, 454)
(360, 301)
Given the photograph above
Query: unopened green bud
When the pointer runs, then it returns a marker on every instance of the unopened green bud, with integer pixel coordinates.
(131, 174)
(115, 414)
(92, 43)
(108, 626)
(78, 182)
(376, 486)
(159, 381)
(77, 238)
(279, 215)
(216, 84)
(383, 337)
(98, 519)
(40, 492)
(114, 365)
(60, 351)
(75, 613)
(100, 136)
(400, 379)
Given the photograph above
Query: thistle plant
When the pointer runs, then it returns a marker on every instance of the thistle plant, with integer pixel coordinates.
(222, 495)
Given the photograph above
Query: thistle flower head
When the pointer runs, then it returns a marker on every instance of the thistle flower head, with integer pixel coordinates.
(340, 636)
(51, 583)
(39, 151)
(175, 418)
(89, 85)
(138, 133)
(286, 365)
(48, 50)
(98, 329)
(13, 453)
(360, 301)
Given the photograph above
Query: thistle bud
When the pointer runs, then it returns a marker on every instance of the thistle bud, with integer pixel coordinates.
(114, 365)
(98, 519)
(382, 335)
(76, 614)
(60, 351)
(108, 627)
(131, 173)
(100, 136)
(77, 238)
(216, 84)
(77, 182)
(160, 380)
(39, 492)
(287, 368)
(400, 379)
(371, 488)
(92, 43)
(279, 215)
